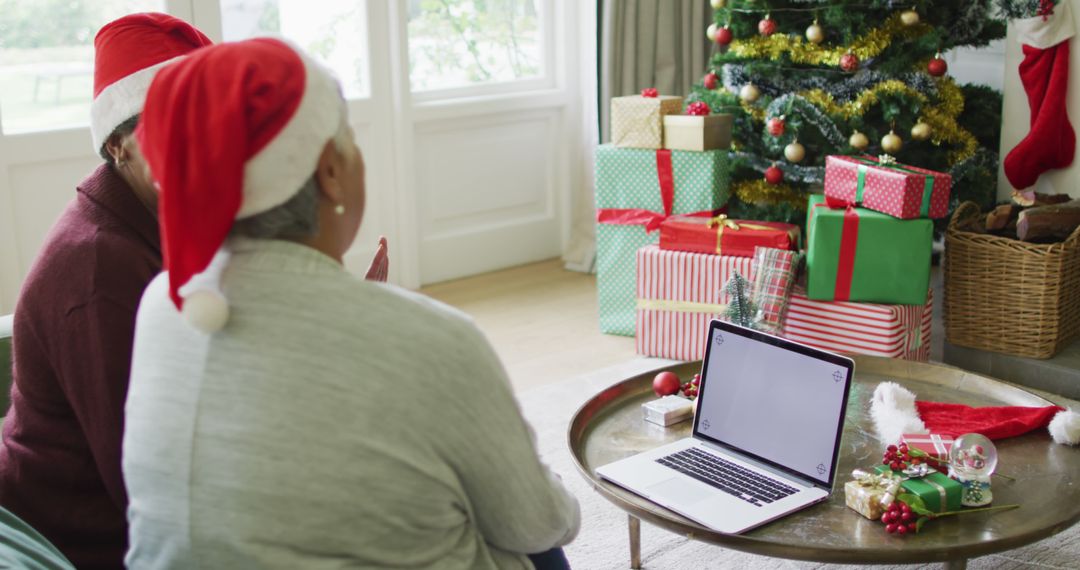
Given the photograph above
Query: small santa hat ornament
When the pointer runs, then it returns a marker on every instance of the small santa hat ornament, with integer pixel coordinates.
(229, 132)
(127, 53)
(896, 412)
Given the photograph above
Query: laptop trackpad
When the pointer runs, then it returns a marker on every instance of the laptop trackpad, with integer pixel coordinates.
(676, 492)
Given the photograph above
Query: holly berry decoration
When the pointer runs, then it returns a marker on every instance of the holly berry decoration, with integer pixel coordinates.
(921, 131)
(794, 151)
(858, 141)
(749, 93)
(767, 26)
(690, 389)
(815, 34)
(775, 126)
(650, 92)
(724, 36)
(849, 62)
(937, 66)
(699, 108)
(773, 175)
(892, 143)
(909, 17)
(900, 519)
(666, 383)
(710, 81)
(897, 457)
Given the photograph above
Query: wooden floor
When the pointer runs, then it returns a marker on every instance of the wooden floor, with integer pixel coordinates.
(540, 318)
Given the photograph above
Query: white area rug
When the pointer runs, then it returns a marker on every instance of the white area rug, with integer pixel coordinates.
(603, 543)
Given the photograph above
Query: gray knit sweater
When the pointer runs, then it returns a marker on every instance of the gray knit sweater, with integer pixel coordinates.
(333, 423)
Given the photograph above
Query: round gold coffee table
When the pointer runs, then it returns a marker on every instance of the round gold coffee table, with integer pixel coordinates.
(1046, 475)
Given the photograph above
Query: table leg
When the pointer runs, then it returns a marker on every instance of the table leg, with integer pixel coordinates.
(955, 564)
(635, 543)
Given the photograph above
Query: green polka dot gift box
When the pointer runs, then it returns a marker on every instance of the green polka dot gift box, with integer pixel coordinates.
(636, 189)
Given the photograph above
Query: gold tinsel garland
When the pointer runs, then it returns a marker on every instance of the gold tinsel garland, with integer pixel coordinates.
(762, 193)
(800, 50)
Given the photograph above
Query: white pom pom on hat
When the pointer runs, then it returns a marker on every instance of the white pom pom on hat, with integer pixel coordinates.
(1065, 428)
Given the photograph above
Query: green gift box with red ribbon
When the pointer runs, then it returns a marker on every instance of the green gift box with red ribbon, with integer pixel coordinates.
(884, 185)
(856, 254)
(636, 189)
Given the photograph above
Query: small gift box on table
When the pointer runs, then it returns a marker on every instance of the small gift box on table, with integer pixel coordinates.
(864, 494)
(893, 331)
(697, 132)
(940, 493)
(886, 186)
(723, 236)
(855, 254)
(933, 445)
(637, 121)
(678, 294)
(636, 189)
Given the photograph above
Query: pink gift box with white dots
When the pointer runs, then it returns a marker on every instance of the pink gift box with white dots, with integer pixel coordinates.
(896, 190)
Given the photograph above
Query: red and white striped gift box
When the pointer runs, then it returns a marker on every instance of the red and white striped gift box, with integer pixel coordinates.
(678, 293)
(895, 331)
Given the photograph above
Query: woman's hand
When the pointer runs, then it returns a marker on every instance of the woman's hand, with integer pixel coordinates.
(380, 264)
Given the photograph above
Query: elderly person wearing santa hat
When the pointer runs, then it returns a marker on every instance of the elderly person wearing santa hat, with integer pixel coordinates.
(283, 413)
(75, 317)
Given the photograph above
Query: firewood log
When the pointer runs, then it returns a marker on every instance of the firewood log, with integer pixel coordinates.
(1048, 223)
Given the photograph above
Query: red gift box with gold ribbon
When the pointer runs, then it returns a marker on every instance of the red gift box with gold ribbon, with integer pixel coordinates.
(723, 236)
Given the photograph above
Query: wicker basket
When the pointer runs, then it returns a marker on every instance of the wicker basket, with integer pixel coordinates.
(1007, 295)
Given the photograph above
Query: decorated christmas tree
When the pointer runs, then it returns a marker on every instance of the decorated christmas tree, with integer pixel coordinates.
(805, 79)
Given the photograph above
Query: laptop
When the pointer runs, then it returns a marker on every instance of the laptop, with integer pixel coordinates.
(766, 436)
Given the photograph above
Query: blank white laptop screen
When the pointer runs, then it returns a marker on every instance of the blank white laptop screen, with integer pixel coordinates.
(772, 402)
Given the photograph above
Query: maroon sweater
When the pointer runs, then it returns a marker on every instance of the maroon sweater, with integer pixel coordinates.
(74, 325)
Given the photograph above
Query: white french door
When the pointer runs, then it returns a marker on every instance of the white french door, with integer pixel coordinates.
(470, 134)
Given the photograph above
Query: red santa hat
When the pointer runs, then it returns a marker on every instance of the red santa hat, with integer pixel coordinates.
(127, 54)
(229, 132)
(895, 412)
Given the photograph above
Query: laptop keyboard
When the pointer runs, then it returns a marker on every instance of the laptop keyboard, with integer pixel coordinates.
(727, 476)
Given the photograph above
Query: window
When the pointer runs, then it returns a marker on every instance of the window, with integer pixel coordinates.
(459, 43)
(333, 31)
(47, 59)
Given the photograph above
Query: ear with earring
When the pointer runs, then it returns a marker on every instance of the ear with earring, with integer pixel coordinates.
(339, 209)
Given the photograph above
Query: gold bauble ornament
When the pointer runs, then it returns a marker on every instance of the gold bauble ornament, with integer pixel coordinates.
(710, 32)
(921, 131)
(749, 93)
(909, 17)
(795, 151)
(815, 34)
(858, 141)
(891, 143)
(717, 4)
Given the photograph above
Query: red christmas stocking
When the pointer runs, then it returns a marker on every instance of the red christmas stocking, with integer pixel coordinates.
(1045, 75)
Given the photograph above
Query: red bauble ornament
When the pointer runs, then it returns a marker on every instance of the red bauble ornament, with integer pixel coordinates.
(773, 175)
(650, 92)
(937, 66)
(775, 126)
(849, 62)
(766, 27)
(699, 108)
(666, 383)
(724, 36)
(710, 81)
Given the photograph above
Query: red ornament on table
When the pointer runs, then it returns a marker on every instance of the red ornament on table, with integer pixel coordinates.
(773, 175)
(666, 383)
(650, 92)
(724, 36)
(710, 81)
(766, 27)
(937, 66)
(775, 126)
(849, 62)
(699, 108)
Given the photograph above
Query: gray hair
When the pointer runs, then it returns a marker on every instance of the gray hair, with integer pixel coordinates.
(298, 217)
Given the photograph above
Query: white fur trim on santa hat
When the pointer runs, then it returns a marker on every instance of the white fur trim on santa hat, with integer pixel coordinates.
(1042, 33)
(121, 101)
(894, 413)
(1065, 428)
(205, 306)
(279, 170)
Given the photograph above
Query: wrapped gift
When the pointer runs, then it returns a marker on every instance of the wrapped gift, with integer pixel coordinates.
(934, 445)
(855, 254)
(636, 190)
(894, 331)
(884, 185)
(678, 294)
(940, 493)
(638, 121)
(775, 272)
(724, 236)
(865, 493)
(695, 132)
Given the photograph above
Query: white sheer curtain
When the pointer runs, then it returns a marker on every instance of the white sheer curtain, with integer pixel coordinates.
(641, 43)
